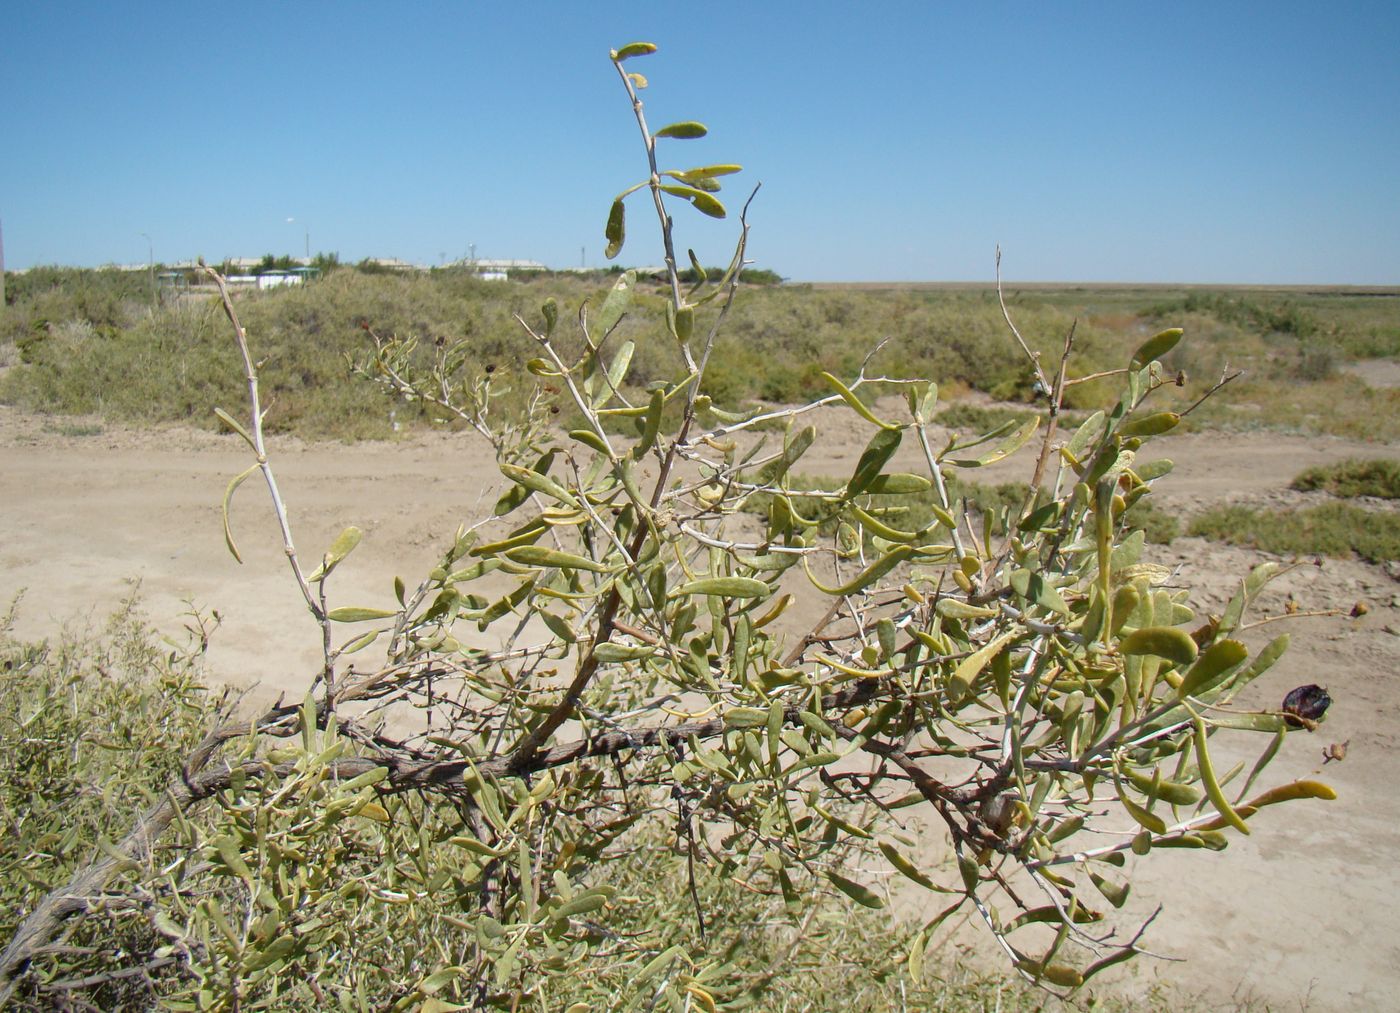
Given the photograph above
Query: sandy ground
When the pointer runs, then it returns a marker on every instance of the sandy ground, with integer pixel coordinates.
(1301, 915)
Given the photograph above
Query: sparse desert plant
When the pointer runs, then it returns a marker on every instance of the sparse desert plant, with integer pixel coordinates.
(1352, 478)
(620, 669)
(1330, 529)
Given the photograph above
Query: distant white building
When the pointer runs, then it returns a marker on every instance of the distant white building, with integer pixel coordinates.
(277, 279)
(498, 270)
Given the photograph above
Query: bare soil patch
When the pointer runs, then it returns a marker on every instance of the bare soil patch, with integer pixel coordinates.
(1375, 372)
(1302, 914)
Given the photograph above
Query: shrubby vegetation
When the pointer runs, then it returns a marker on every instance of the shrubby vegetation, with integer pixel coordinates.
(91, 341)
(127, 705)
(671, 726)
(1351, 479)
(1330, 529)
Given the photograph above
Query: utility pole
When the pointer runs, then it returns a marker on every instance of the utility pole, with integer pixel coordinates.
(2, 263)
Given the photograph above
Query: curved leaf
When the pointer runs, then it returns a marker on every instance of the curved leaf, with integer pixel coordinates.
(708, 205)
(615, 232)
(538, 555)
(873, 459)
(1151, 425)
(850, 398)
(898, 484)
(350, 614)
(633, 49)
(228, 499)
(1006, 448)
(724, 587)
(862, 895)
(868, 576)
(684, 130)
(343, 545)
(1212, 786)
(1163, 642)
(1212, 667)
(1155, 347)
(611, 652)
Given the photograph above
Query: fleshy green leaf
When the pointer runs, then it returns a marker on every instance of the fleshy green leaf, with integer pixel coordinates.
(1211, 667)
(236, 426)
(350, 614)
(616, 230)
(1006, 448)
(872, 461)
(708, 205)
(898, 484)
(866, 577)
(850, 398)
(1212, 785)
(862, 895)
(343, 545)
(684, 130)
(1163, 642)
(1155, 347)
(228, 499)
(615, 305)
(724, 587)
(633, 49)
(538, 555)
(611, 652)
(1151, 425)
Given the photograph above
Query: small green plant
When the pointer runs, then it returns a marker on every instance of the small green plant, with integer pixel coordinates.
(608, 674)
(75, 429)
(1352, 478)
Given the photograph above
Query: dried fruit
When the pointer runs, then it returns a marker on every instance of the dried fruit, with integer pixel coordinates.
(1304, 706)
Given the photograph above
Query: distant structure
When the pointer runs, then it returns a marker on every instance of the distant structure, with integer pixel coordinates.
(498, 270)
(2, 263)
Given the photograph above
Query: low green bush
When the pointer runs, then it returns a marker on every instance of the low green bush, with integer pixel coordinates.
(95, 725)
(1352, 478)
(1332, 529)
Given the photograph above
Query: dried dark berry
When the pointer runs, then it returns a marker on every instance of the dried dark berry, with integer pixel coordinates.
(1305, 706)
(491, 367)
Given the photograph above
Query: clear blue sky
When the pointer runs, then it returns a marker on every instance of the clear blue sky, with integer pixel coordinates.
(1190, 142)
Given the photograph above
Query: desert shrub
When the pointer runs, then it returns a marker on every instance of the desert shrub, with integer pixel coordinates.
(596, 755)
(97, 723)
(1331, 529)
(1352, 478)
(1257, 313)
(1341, 405)
(92, 728)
